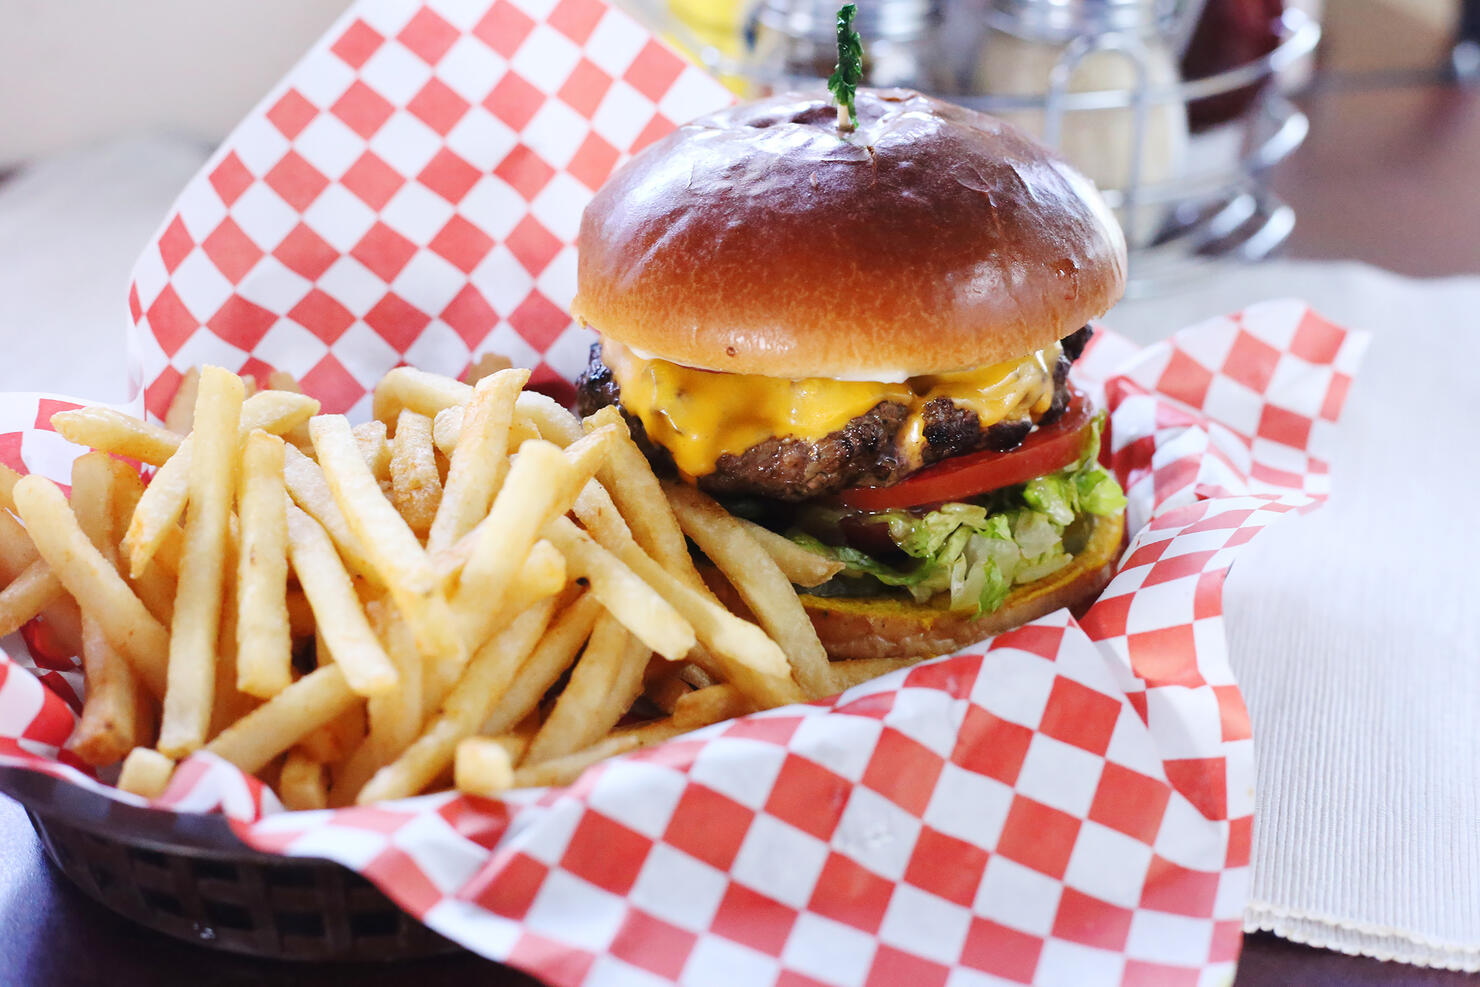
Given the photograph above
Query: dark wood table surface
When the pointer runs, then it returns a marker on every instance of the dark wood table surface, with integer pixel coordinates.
(1389, 176)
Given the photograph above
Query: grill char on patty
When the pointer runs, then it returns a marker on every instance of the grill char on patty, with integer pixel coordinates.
(862, 452)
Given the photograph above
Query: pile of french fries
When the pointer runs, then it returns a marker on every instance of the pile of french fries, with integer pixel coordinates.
(474, 588)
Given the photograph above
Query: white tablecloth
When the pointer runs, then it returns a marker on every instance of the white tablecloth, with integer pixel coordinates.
(1351, 629)
(1352, 632)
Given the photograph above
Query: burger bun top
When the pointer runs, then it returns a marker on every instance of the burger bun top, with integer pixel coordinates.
(765, 240)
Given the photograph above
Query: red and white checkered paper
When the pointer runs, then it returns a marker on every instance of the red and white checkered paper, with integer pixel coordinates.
(1069, 803)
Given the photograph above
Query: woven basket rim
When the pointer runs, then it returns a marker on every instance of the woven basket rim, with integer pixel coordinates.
(162, 830)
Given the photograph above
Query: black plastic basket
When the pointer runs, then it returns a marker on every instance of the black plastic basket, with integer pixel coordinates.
(188, 876)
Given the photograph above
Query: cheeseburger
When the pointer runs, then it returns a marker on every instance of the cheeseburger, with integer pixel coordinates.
(861, 339)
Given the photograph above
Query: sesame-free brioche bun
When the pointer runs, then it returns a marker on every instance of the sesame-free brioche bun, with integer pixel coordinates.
(764, 240)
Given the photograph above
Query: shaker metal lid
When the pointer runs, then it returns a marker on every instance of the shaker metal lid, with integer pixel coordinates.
(878, 20)
(1064, 20)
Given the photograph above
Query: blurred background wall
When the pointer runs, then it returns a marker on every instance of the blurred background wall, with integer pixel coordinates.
(76, 72)
(80, 71)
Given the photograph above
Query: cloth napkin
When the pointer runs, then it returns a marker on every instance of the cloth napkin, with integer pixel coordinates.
(1352, 631)
(1353, 644)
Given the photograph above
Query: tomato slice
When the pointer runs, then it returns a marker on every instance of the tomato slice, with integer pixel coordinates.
(1043, 451)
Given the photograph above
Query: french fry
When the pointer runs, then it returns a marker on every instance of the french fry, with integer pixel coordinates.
(310, 491)
(63, 617)
(516, 741)
(856, 671)
(447, 429)
(159, 510)
(541, 484)
(228, 704)
(416, 483)
(95, 478)
(487, 677)
(117, 714)
(760, 582)
(547, 417)
(642, 609)
(179, 416)
(434, 663)
(565, 770)
(164, 501)
(285, 719)
(88, 576)
(800, 565)
(196, 627)
(664, 684)
(696, 676)
(399, 559)
(396, 703)
(25, 596)
(303, 782)
(155, 586)
(480, 460)
(544, 666)
(277, 412)
(92, 494)
(486, 365)
(336, 607)
(280, 381)
(482, 766)
(395, 717)
(742, 651)
(639, 497)
(705, 706)
(449, 562)
(375, 449)
(16, 550)
(171, 548)
(116, 433)
(60, 612)
(601, 688)
(8, 477)
(422, 392)
(543, 574)
(264, 643)
(146, 773)
(114, 715)
(338, 739)
(299, 439)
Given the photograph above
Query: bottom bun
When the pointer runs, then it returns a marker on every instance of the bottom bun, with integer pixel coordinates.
(890, 627)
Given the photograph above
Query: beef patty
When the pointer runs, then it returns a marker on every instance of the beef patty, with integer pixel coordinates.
(862, 452)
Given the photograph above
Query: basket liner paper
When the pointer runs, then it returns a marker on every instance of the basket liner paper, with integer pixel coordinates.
(1070, 802)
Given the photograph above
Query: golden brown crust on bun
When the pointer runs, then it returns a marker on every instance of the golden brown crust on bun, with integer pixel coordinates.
(897, 628)
(763, 240)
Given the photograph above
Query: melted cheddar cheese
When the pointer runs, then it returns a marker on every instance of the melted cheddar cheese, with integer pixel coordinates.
(700, 415)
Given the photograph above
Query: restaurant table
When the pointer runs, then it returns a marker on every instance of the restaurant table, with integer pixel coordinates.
(1407, 198)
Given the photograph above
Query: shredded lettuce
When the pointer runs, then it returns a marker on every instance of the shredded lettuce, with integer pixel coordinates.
(976, 552)
(861, 563)
(1053, 495)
